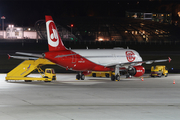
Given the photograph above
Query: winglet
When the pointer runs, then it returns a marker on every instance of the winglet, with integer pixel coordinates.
(169, 59)
(9, 56)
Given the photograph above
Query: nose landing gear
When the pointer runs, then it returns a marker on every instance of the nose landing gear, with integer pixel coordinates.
(113, 77)
(117, 75)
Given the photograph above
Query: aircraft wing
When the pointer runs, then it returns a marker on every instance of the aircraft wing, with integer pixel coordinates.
(154, 61)
(138, 63)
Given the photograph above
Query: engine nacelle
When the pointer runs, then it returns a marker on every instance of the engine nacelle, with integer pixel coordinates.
(136, 71)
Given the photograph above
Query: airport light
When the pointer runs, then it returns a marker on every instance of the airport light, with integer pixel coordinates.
(3, 18)
(100, 39)
(10, 26)
(143, 32)
(71, 28)
(136, 32)
(178, 14)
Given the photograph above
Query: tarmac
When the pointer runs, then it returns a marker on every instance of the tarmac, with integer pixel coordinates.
(91, 99)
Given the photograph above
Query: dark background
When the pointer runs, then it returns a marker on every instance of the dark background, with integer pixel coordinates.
(27, 12)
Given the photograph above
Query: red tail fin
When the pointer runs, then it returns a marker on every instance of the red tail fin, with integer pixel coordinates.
(54, 40)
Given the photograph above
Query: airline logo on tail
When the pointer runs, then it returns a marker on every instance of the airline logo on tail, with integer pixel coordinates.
(54, 39)
(52, 34)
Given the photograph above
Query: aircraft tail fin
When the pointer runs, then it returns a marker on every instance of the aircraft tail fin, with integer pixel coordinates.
(54, 40)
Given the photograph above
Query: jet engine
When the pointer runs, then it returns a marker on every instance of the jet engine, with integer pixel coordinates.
(136, 71)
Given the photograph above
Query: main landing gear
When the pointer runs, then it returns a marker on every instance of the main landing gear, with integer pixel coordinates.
(80, 76)
(117, 75)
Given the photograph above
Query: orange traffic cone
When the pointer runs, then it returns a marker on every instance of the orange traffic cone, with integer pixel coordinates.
(142, 79)
(174, 82)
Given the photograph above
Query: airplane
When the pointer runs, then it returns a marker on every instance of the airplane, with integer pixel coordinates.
(87, 60)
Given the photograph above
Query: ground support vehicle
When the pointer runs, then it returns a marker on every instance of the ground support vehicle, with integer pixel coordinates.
(100, 74)
(158, 71)
(22, 71)
(107, 74)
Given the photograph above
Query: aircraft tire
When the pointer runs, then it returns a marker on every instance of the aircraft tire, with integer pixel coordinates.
(28, 80)
(78, 77)
(117, 77)
(107, 75)
(112, 78)
(47, 81)
(94, 74)
(82, 77)
(166, 74)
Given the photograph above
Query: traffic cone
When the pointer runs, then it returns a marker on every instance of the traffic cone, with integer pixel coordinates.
(142, 79)
(174, 82)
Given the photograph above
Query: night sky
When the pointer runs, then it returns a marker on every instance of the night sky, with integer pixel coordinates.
(26, 12)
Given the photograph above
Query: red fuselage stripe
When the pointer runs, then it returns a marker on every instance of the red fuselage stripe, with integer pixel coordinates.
(73, 61)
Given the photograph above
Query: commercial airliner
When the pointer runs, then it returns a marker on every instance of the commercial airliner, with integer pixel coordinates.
(87, 60)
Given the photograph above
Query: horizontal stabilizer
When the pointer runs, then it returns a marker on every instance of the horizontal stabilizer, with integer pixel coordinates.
(22, 57)
(30, 54)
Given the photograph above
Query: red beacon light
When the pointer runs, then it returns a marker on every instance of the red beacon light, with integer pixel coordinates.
(72, 25)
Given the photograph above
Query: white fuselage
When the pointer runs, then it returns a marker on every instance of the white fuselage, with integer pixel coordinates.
(106, 57)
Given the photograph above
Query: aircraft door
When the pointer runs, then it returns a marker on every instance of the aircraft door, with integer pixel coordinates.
(74, 58)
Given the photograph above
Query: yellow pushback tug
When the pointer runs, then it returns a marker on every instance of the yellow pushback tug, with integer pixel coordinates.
(158, 71)
(28, 66)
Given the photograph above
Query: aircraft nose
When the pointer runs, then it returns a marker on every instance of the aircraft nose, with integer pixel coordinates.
(139, 58)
